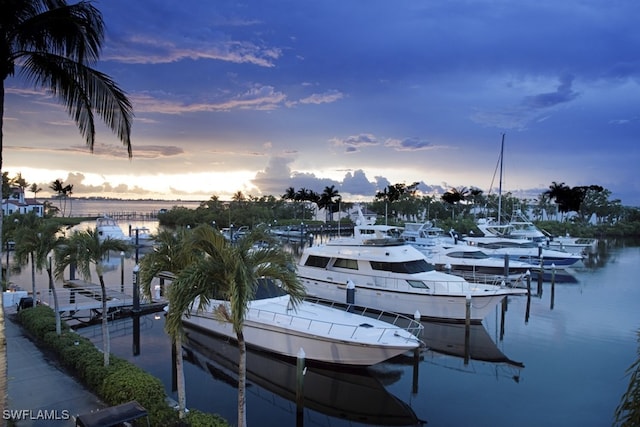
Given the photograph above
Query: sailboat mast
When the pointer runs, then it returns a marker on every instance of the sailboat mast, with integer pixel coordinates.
(500, 183)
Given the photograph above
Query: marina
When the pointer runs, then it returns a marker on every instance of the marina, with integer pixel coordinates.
(558, 358)
(562, 365)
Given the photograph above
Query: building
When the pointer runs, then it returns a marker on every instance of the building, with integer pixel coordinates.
(17, 203)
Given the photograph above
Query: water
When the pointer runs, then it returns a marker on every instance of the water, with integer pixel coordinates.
(563, 366)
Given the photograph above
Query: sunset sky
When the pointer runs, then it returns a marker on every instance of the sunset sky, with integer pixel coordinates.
(257, 96)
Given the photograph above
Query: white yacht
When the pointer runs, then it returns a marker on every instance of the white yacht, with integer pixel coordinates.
(520, 227)
(108, 228)
(389, 274)
(524, 250)
(475, 265)
(324, 333)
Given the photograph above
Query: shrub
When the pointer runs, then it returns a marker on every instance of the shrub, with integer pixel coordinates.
(117, 383)
(196, 418)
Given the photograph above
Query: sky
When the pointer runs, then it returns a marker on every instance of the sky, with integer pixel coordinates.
(261, 95)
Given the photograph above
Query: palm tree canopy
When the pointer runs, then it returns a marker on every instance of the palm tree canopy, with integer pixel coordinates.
(54, 45)
(168, 254)
(230, 272)
(83, 249)
(37, 237)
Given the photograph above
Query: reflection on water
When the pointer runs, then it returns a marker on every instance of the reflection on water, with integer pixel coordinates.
(347, 394)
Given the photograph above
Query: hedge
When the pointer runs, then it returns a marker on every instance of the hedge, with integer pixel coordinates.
(120, 382)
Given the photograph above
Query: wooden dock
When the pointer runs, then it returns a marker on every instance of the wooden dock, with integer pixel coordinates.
(80, 295)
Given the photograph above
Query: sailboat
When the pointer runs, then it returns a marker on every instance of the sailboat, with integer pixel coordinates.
(498, 240)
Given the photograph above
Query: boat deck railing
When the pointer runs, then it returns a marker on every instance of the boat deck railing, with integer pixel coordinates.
(413, 326)
(363, 331)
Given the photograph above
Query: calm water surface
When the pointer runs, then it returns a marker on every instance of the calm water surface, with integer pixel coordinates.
(563, 366)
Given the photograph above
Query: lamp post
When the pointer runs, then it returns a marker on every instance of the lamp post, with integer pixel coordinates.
(122, 272)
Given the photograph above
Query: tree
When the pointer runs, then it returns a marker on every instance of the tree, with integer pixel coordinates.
(169, 254)
(454, 196)
(36, 239)
(326, 201)
(53, 45)
(83, 249)
(35, 190)
(627, 414)
(230, 272)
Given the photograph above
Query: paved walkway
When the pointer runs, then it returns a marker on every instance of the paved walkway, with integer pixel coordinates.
(39, 393)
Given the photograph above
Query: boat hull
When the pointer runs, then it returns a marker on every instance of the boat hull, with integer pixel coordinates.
(449, 307)
(320, 340)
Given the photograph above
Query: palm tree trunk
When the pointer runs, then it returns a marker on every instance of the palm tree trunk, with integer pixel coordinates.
(105, 324)
(242, 379)
(182, 393)
(56, 306)
(33, 280)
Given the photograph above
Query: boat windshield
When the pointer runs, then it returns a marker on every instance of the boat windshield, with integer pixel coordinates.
(268, 288)
(406, 267)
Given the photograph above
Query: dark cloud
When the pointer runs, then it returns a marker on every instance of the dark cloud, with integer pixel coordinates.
(408, 144)
(564, 93)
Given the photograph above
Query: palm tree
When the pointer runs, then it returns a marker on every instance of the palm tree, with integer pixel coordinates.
(326, 200)
(53, 45)
(230, 272)
(83, 249)
(68, 191)
(36, 238)
(169, 255)
(454, 196)
(35, 190)
(57, 187)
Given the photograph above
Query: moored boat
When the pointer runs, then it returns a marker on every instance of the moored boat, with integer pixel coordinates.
(108, 228)
(324, 333)
(389, 274)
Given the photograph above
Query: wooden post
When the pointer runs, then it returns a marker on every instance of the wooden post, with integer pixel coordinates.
(540, 277)
(506, 266)
(528, 310)
(136, 289)
(467, 329)
(351, 295)
(122, 272)
(300, 371)
(553, 284)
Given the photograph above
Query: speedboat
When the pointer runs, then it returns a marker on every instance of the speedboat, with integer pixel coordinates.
(322, 332)
(108, 228)
(387, 273)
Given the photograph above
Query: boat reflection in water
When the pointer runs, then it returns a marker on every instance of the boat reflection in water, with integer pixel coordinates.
(466, 344)
(353, 394)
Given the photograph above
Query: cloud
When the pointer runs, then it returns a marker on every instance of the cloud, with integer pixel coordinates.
(564, 93)
(409, 144)
(140, 49)
(256, 98)
(323, 98)
(533, 108)
(353, 143)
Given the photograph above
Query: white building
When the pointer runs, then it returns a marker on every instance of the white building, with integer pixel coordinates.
(17, 203)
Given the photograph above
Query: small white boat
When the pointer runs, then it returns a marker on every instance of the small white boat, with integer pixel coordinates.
(108, 228)
(389, 274)
(142, 236)
(324, 333)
